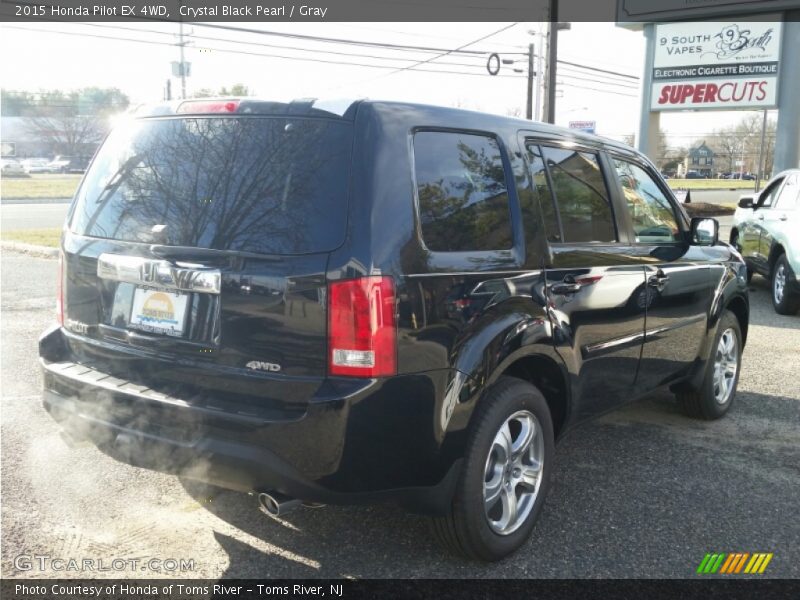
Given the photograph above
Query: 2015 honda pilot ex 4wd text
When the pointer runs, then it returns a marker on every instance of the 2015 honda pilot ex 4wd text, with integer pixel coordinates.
(367, 301)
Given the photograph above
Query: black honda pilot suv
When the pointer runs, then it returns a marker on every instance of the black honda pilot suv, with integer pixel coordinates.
(365, 301)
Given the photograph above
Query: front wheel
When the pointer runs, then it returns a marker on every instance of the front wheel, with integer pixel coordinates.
(784, 299)
(507, 466)
(713, 398)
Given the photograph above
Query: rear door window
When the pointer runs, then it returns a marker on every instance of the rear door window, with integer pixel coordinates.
(652, 214)
(581, 195)
(462, 192)
(255, 184)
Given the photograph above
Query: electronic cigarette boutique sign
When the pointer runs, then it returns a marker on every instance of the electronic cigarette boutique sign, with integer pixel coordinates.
(720, 65)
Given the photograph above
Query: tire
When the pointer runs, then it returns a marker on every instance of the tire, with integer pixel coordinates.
(784, 300)
(470, 530)
(711, 401)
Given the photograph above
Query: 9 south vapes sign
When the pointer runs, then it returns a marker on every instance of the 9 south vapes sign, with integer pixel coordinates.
(720, 65)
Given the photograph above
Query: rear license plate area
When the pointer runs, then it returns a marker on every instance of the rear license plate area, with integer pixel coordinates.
(157, 311)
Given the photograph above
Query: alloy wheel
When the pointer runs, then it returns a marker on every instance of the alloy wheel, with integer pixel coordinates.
(513, 472)
(779, 284)
(726, 363)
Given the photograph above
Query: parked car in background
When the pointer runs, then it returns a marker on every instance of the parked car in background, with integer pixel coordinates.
(69, 164)
(766, 231)
(37, 165)
(695, 175)
(11, 168)
(444, 294)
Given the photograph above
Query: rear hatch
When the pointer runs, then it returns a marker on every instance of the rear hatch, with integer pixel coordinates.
(198, 245)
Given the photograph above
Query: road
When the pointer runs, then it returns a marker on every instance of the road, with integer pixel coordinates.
(641, 492)
(32, 216)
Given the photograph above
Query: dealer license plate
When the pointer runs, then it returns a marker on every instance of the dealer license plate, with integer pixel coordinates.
(157, 311)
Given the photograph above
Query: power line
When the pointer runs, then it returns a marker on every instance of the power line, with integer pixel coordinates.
(244, 52)
(601, 81)
(599, 70)
(281, 46)
(583, 87)
(480, 39)
(402, 47)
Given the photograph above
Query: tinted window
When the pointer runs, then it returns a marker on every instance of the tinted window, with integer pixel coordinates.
(542, 187)
(270, 185)
(651, 212)
(581, 195)
(463, 200)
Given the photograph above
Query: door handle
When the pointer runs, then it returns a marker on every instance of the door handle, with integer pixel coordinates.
(783, 218)
(760, 217)
(659, 280)
(565, 288)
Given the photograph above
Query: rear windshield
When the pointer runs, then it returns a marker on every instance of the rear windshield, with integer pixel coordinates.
(267, 185)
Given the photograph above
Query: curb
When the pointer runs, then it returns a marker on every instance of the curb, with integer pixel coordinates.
(29, 249)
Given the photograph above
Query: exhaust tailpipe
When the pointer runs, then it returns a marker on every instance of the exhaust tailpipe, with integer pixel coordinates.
(276, 504)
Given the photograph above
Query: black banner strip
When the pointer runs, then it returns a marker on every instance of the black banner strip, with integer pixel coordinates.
(731, 587)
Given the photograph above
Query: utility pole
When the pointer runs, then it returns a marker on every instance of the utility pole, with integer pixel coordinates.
(529, 106)
(553, 27)
(761, 166)
(181, 43)
(539, 77)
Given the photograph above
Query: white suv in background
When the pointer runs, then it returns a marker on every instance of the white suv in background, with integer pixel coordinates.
(766, 231)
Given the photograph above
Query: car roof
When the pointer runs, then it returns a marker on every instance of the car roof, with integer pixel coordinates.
(346, 108)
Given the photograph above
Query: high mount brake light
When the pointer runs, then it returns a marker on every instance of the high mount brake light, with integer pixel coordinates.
(362, 334)
(206, 106)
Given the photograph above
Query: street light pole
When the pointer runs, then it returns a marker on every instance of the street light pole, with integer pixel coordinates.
(552, 57)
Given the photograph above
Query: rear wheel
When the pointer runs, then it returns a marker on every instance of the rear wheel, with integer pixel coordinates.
(713, 398)
(784, 300)
(506, 474)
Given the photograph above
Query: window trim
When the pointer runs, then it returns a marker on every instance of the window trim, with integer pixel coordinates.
(795, 178)
(502, 257)
(763, 194)
(676, 207)
(579, 147)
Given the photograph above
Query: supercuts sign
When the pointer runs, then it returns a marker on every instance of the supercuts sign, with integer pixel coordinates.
(722, 65)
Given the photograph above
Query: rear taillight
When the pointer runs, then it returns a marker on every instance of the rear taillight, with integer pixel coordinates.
(462, 303)
(60, 293)
(362, 335)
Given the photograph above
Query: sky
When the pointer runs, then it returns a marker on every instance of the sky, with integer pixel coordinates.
(136, 58)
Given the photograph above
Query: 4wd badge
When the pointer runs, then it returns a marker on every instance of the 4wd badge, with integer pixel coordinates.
(258, 365)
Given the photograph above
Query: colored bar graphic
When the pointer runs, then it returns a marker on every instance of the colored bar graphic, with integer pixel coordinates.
(764, 564)
(718, 564)
(701, 568)
(726, 567)
(733, 562)
(741, 562)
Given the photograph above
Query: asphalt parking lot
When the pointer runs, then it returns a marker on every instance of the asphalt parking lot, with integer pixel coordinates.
(641, 492)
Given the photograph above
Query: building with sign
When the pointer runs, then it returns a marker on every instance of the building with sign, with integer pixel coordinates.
(720, 55)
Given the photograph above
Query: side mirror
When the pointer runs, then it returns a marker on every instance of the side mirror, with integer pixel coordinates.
(746, 202)
(705, 231)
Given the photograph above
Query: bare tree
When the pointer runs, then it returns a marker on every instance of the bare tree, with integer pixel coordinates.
(69, 123)
(68, 135)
